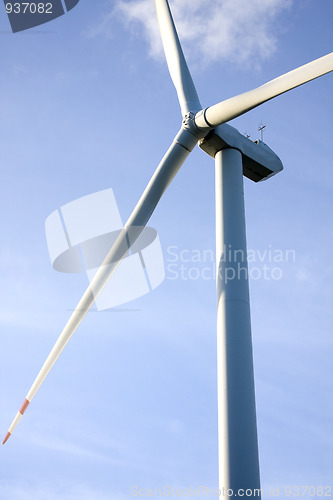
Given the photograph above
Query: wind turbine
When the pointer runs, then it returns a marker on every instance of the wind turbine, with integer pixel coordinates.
(235, 156)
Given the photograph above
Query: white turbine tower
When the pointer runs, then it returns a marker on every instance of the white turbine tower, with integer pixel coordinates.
(235, 156)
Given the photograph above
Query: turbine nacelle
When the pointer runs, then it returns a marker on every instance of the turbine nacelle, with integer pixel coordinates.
(259, 161)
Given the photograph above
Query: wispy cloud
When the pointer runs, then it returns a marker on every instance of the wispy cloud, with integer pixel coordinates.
(83, 441)
(233, 30)
(56, 444)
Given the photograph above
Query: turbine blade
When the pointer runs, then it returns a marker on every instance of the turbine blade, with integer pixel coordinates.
(237, 106)
(179, 72)
(181, 147)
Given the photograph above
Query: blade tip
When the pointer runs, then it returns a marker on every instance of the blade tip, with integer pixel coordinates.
(6, 438)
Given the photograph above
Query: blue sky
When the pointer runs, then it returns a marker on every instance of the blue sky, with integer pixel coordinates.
(87, 104)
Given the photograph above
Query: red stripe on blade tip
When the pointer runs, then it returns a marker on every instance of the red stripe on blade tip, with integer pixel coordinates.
(24, 406)
(6, 437)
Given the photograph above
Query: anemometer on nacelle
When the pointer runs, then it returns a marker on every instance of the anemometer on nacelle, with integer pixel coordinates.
(259, 161)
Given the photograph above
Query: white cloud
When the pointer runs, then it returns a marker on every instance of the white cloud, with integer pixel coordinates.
(233, 30)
